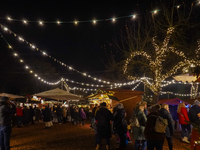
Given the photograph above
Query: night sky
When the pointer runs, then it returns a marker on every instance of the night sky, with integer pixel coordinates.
(81, 46)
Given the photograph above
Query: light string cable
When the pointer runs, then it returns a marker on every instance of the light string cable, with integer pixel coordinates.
(63, 64)
(26, 66)
(113, 19)
(177, 94)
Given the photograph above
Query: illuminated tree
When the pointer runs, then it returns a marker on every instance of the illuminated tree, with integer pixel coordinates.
(159, 47)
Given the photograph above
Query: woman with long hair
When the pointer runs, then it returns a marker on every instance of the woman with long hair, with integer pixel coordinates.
(138, 132)
(183, 121)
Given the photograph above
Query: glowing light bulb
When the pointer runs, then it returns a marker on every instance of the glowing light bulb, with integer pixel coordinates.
(155, 11)
(134, 16)
(21, 60)
(26, 67)
(41, 23)
(178, 7)
(24, 21)
(76, 22)
(94, 21)
(9, 18)
(31, 71)
(6, 29)
(15, 54)
(9, 46)
(113, 19)
(58, 22)
(33, 46)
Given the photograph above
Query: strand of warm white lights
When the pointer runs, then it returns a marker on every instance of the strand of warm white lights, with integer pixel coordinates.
(49, 56)
(40, 22)
(27, 67)
(63, 64)
(136, 86)
(177, 94)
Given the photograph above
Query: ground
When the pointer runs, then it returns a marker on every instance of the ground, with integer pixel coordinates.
(67, 137)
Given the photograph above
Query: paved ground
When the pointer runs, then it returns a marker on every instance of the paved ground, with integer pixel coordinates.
(66, 137)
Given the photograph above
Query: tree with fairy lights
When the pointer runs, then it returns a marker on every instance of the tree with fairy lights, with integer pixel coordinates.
(159, 45)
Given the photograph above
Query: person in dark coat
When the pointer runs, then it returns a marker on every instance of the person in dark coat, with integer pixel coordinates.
(72, 113)
(76, 116)
(165, 114)
(59, 113)
(120, 124)
(154, 139)
(93, 115)
(7, 109)
(194, 116)
(31, 115)
(47, 117)
(138, 132)
(25, 116)
(103, 118)
(193, 113)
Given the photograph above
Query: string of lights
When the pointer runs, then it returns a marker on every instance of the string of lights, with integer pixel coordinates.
(94, 21)
(27, 67)
(178, 94)
(33, 47)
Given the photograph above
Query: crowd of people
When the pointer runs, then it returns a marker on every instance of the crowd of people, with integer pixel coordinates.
(149, 126)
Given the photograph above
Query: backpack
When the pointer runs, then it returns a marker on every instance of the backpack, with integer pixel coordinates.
(160, 124)
(134, 121)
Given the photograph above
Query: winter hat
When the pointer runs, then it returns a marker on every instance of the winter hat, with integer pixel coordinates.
(103, 104)
(196, 102)
(4, 98)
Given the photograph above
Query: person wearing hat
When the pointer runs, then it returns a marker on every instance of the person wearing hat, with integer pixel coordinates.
(7, 109)
(194, 116)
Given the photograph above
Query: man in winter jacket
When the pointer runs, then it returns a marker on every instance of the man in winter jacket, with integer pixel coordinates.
(193, 113)
(164, 113)
(194, 116)
(7, 109)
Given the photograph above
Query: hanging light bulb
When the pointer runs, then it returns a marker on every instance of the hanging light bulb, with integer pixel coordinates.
(26, 67)
(40, 22)
(58, 22)
(24, 21)
(94, 21)
(113, 19)
(21, 60)
(15, 54)
(6, 29)
(9, 18)
(155, 11)
(134, 16)
(76, 22)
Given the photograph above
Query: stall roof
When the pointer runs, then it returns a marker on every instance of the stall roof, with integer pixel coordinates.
(174, 101)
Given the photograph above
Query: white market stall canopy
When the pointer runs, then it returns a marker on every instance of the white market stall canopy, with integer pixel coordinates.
(185, 77)
(11, 95)
(59, 94)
